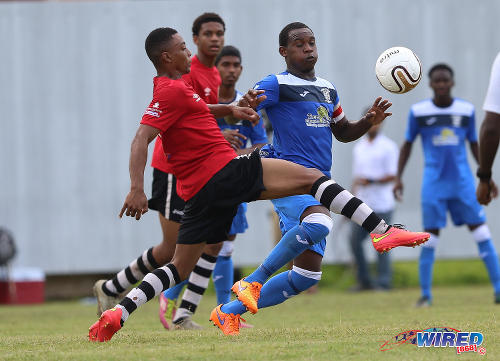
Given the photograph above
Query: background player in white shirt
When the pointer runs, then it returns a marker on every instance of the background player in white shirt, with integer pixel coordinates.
(375, 159)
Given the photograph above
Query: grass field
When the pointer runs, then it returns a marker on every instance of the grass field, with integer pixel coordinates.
(329, 325)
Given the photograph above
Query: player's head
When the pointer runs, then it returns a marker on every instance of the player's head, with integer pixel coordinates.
(167, 50)
(208, 34)
(228, 62)
(298, 46)
(441, 79)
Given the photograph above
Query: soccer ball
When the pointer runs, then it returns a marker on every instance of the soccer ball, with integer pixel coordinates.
(398, 69)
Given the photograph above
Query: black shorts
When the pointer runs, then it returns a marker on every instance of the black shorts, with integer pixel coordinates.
(164, 198)
(209, 214)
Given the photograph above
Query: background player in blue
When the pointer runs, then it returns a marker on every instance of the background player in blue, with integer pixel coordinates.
(445, 123)
(228, 63)
(304, 111)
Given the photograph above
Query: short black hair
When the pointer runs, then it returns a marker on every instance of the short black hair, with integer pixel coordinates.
(283, 37)
(228, 50)
(156, 42)
(440, 66)
(206, 18)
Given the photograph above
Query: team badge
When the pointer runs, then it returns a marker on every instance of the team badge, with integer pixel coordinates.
(326, 94)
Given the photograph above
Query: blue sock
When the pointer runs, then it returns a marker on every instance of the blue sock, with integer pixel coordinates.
(282, 287)
(223, 279)
(489, 256)
(425, 265)
(275, 291)
(174, 292)
(293, 243)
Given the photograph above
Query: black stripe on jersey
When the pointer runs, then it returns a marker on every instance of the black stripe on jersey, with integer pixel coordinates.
(443, 120)
(310, 93)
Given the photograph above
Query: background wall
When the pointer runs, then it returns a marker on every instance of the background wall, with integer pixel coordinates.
(75, 81)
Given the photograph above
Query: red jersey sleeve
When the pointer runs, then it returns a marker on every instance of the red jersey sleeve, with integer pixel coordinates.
(161, 112)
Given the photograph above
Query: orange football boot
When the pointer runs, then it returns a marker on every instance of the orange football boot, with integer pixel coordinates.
(397, 236)
(107, 325)
(228, 323)
(248, 293)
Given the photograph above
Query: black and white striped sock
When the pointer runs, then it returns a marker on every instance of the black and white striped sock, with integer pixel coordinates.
(198, 283)
(341, 201)
(152, 285)
(129, 276)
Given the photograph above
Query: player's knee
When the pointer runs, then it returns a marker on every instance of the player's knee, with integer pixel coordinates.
(213, 249)
(481, 233)
(227, 249)
(432, 242)
(302, 279)
(316, 227)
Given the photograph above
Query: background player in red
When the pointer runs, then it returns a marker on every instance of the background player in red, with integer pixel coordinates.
(213, 182)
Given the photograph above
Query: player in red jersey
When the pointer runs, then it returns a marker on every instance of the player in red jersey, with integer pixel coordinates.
(213, 182)
(208, 34)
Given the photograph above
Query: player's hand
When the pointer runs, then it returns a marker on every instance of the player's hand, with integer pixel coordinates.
(361, 182)
(136, 204)
(252, 99)
(398, 189)
(234, 137)
(245, 113)
(377, 113)
(486, 191)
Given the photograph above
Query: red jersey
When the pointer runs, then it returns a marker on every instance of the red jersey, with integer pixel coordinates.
(206, 82)
(191, 138)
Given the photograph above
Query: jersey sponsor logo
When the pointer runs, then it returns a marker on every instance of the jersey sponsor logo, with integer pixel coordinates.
(326, 94)
(207, 91)
(304, 93)
(196, 97)
(446, 137)
(153, 113)
(376, 239)
(320, 119)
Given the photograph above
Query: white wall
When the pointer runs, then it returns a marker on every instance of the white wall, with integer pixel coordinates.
(75, 80)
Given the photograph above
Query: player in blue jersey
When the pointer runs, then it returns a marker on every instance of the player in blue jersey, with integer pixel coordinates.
(304, 111)
(444, 124)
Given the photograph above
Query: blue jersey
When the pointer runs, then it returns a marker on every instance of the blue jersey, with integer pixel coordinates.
(300, 112)
(443, 132)
(255, 134)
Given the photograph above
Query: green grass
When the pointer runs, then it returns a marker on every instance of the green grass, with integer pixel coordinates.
(330, 325)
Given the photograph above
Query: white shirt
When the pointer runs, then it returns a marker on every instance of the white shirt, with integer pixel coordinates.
(492, 100)
(375, 160)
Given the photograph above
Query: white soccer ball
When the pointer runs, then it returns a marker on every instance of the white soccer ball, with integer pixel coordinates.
(398, 69)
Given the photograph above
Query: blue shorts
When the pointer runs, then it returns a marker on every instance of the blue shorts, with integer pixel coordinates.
(464, 209)
(240, 223)
(290, 209)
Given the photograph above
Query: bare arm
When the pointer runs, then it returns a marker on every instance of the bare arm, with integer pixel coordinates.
(404, 155)
(346, 131)
(489, 137)
(136, 203)
(474, 149)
